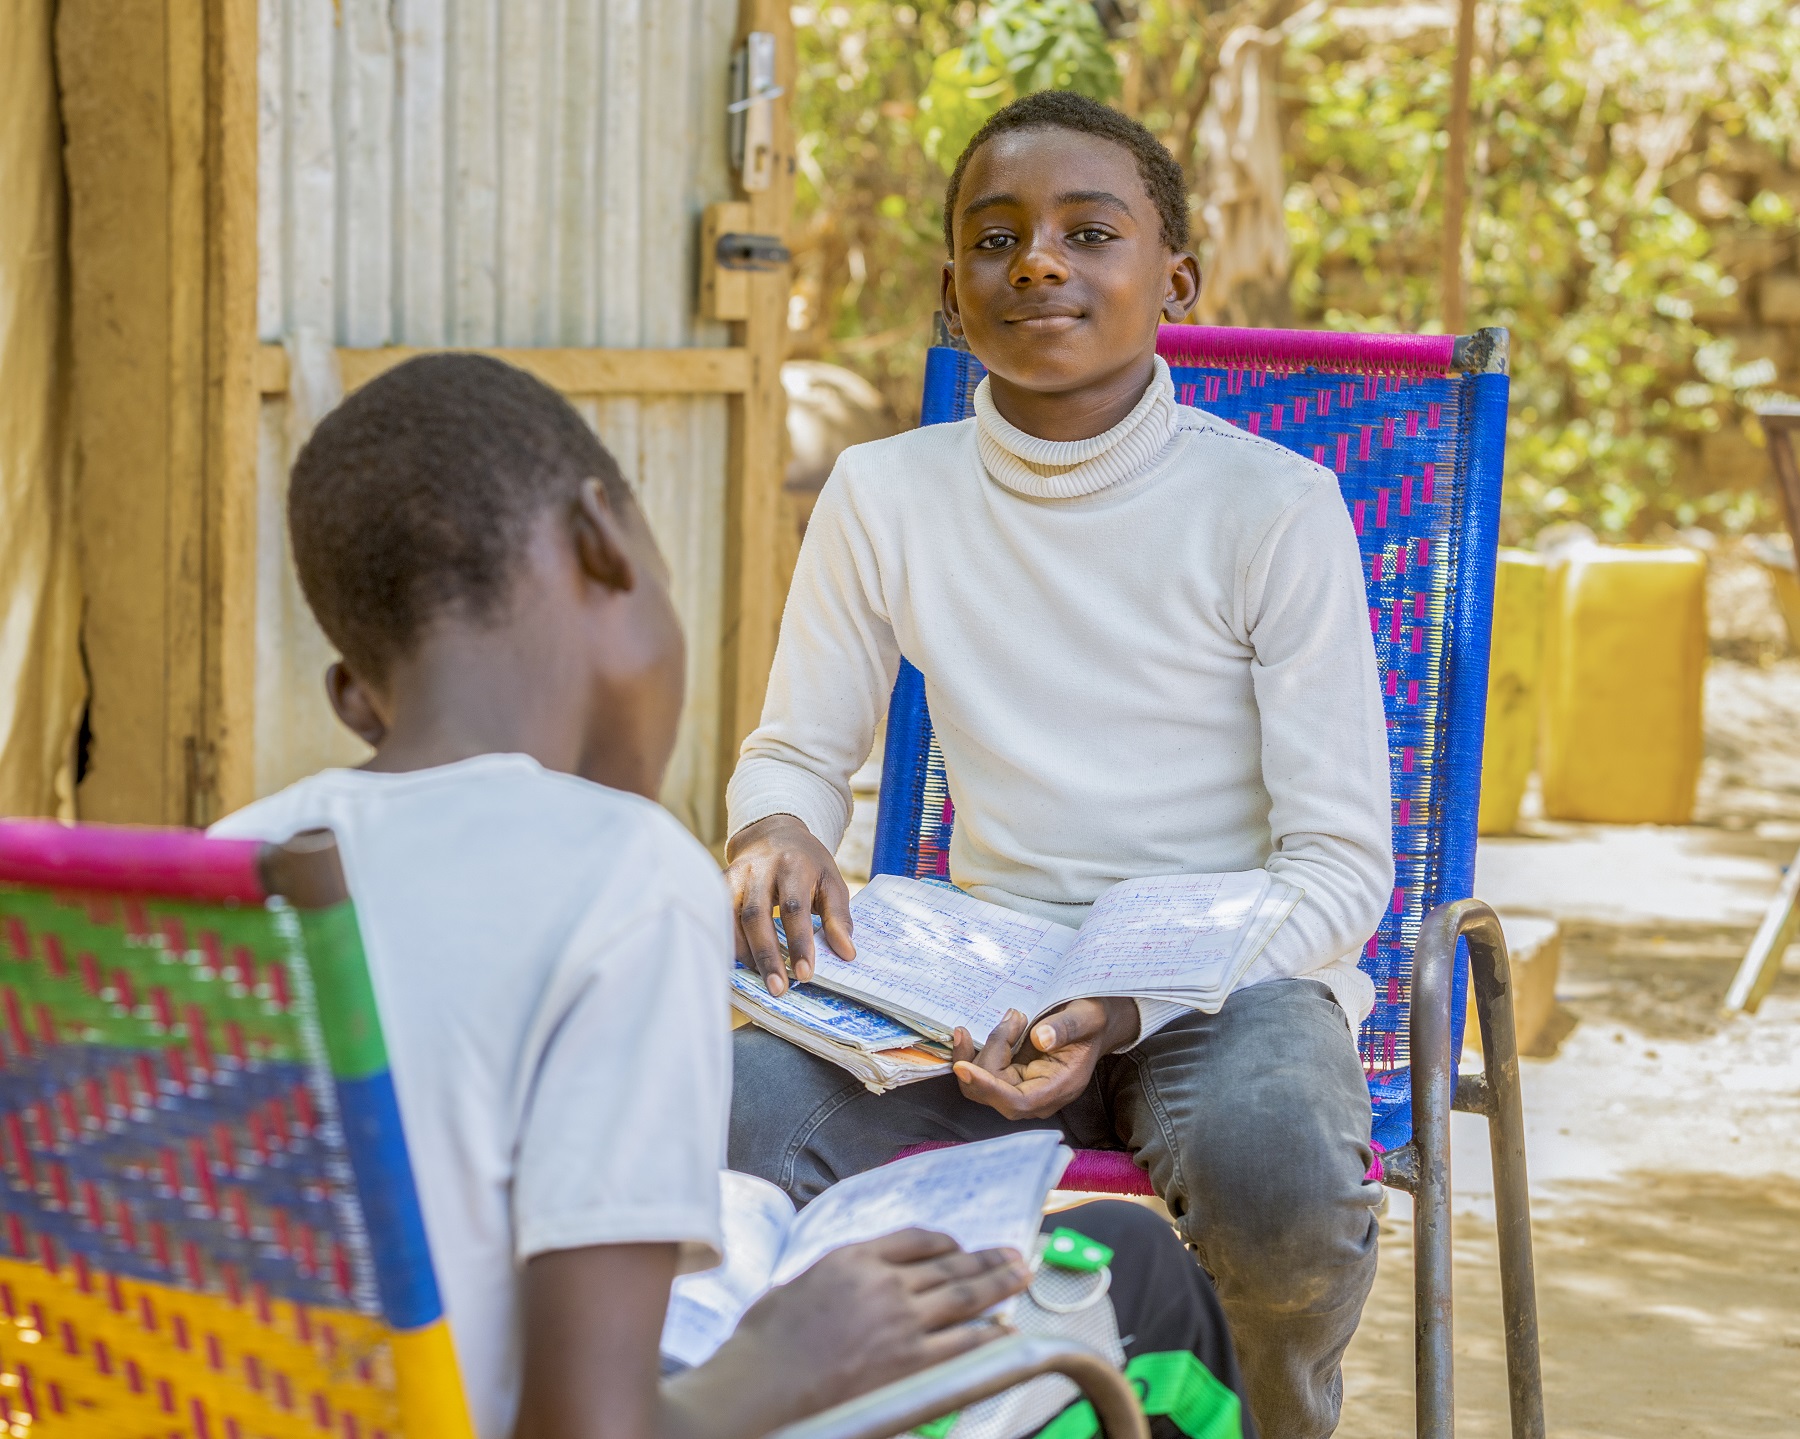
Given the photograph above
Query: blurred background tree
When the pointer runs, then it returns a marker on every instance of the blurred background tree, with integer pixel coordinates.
(1635, 172)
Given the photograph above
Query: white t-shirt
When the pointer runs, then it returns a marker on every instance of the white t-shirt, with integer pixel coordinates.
(550, 960)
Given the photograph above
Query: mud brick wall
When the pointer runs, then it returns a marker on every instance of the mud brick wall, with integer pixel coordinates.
(1730, 186)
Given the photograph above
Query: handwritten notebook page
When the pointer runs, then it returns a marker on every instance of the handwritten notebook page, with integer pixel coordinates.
(1170, 932)
(983, 1196)
(938, 955)
(705, 1308)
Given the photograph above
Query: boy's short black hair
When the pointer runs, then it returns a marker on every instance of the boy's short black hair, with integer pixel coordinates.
(417, 494)
(1066, 110)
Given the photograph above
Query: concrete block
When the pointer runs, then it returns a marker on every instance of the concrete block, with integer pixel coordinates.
(1744, 156)
(1534, 945)
(1748, 251)
(1778, 299)
(1759, 342)
(1728, 457)
(1717, 310)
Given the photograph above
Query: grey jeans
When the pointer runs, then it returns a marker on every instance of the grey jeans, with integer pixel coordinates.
(1253, 1124)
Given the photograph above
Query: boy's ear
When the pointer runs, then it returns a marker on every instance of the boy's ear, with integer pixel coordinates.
(354, 705)
(600, 540)
(947, 301)
(1183, 291)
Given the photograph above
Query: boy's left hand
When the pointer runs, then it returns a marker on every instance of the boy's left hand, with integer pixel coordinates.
(1055, 1064)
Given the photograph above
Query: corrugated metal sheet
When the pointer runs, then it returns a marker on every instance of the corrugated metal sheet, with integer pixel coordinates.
(498, 172)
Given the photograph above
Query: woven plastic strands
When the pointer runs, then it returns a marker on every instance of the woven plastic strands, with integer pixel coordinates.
(182, 1250)
(1416, 452)
(1396, 445)
(1286, 351)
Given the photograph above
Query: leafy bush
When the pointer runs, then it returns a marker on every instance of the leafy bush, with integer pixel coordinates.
(1593, 118)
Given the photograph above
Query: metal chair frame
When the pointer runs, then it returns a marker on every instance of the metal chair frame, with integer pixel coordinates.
(1422, 1168)
(907, 1403)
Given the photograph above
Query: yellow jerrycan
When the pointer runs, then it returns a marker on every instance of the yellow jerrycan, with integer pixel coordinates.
(1624, 662)
(1515, 664)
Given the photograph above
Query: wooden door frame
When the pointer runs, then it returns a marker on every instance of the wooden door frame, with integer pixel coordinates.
(240, 371)
(228, 696)
(755, 587)
(159, 155)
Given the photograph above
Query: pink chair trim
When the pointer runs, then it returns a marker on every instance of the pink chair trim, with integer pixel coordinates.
(1091, 1171)
(1284, 351)
(1110, 1171)
(168, 862)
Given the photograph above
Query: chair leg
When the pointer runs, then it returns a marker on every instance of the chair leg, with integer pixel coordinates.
(1491, 975)
(1434, 973)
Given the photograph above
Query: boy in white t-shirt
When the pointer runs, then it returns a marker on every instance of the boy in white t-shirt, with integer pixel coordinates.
(548, 947)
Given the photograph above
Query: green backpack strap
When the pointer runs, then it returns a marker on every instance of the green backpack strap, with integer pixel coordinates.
(1174, 1386)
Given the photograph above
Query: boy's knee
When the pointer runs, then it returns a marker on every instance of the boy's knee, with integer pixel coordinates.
(1299, 1246)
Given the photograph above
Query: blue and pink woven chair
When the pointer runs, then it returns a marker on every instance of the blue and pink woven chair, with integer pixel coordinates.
(1414, 428)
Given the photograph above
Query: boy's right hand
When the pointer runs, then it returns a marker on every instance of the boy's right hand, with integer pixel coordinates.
(776, 863)
(870, 1313)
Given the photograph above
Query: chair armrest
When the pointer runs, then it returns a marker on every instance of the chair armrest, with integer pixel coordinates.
(1434, 978)
(907, 1403)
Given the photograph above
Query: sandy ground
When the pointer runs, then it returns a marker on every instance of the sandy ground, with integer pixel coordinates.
(1663, 1140)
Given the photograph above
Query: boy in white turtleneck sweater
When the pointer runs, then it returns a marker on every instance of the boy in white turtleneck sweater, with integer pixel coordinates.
(1146, 649)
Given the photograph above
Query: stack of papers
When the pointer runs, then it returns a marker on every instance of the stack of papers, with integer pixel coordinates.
(931, 959)
(881, 1052)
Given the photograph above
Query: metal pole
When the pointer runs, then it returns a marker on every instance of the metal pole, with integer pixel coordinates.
(907, 1403)
(1756, 973)
(1490, 973)
(1434, 975)
(1456, 168)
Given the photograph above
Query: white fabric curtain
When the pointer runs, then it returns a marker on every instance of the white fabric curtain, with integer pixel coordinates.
(41, 684)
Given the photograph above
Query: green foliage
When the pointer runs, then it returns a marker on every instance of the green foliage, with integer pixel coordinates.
(965, 89)
(1594, 122)
(1585, 111)
(887, 97)
(868, 198)
(1019, 47)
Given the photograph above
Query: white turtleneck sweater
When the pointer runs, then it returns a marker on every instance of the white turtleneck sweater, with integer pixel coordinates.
(1145, 653)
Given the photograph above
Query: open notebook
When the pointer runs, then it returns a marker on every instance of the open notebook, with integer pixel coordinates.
(984, 1196)
(931, 958)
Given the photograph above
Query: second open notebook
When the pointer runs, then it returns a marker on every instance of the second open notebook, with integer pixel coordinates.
(936, 958)
(986, 1195)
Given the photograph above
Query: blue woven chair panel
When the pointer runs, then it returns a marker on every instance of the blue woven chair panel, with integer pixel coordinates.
(1418, 459)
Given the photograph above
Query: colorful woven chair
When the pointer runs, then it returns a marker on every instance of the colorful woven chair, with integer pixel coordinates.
(1414, 427)
(210, 1228)
(209, 1221)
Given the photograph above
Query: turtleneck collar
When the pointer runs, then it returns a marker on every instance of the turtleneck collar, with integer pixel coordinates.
(1066, 469)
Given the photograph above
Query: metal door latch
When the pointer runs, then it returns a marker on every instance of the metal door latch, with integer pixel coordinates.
(750, 252)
